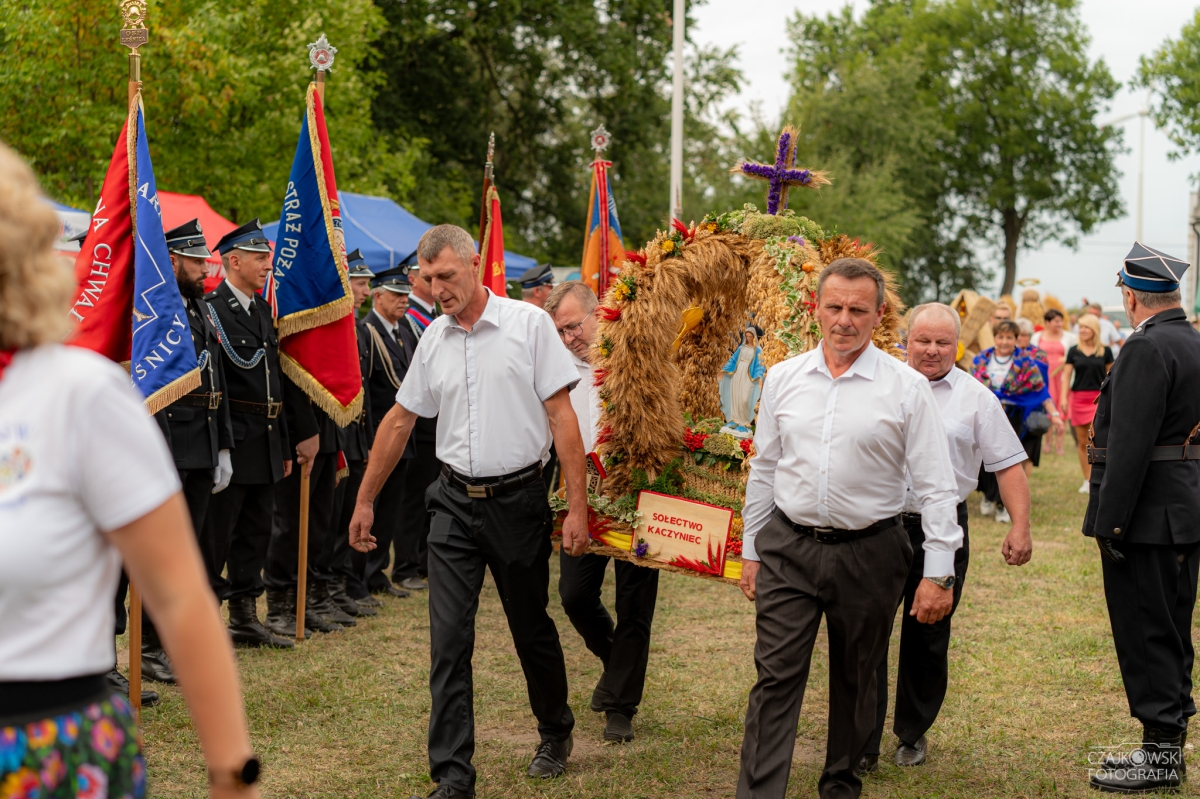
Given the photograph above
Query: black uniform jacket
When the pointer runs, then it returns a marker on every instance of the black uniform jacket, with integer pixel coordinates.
(385, 376)
(360, 434)
(195, 431)
(1150, 398)
(425, 429)
(260, 443)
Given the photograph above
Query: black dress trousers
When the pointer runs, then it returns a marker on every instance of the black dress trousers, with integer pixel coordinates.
(1150, 600)
(238, 528)
(924, 648)
(856, 586)
(510, 536)
(389, 521)
(339, 558)
(284, 550)
(412, 553)
(624, 649)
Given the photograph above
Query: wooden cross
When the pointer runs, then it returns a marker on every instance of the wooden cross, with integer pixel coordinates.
(782, 175)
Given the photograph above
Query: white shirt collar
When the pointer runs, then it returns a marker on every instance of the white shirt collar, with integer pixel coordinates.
(863, 366)
(390, 327)
(490, 315)
(244, 299)
(950, 378)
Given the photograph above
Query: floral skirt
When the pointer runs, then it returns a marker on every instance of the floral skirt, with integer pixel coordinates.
(90, 753)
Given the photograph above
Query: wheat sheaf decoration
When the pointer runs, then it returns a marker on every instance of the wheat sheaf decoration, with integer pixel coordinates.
(672, 316)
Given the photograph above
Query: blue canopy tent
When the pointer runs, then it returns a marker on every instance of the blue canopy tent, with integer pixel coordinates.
(387, 234)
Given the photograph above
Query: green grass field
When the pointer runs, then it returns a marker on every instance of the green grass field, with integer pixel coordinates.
(1034, 685)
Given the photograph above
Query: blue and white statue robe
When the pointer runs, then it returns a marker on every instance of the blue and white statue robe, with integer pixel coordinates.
(741, 384)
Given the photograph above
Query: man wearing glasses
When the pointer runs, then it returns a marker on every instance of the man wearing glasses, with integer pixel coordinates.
(624, 649)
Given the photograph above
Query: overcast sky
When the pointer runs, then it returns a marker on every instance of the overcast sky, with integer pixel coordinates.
(759, 29)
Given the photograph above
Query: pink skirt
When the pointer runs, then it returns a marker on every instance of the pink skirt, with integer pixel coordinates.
(1082, 408)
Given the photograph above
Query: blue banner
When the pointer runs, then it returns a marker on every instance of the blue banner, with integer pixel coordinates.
(163, 358)
(309, 286)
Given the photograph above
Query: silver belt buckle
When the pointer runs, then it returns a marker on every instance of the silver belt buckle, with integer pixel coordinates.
(820, 533)
(273, 409)
(476, 492)
(214, 400)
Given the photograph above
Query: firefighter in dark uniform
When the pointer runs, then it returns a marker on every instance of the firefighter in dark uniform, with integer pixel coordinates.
(317, 441)
(392, 346)
(343, 566)
(411, 567)
(1144, 510)
(239, 518)
(197, 426)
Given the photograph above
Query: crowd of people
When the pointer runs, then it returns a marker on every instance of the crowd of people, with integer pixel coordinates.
(855, 507)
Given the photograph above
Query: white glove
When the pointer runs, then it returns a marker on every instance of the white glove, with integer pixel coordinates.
(223, 473)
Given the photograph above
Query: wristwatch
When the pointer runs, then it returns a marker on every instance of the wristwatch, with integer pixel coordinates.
(241, 777)
(942, 582)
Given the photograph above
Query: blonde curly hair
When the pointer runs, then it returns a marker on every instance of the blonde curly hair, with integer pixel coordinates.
(35, 286)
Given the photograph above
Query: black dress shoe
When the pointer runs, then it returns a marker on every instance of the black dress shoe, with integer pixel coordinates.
(600, 695)
(315, 620)
(619, 728)
(911, 754)
(391, 590)
(445, 792)
(868, 764)
(368, 602)
(1155, 766)
(156, 666)
(550, 759)
(121, 685)
(245, 628)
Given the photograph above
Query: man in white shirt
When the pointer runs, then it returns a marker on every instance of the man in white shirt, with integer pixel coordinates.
(837, 428)
(624, 649)
(980, 436)
(498, 379)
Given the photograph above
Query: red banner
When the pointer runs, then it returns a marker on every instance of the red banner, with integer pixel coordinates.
(103, 304)
(491, 263)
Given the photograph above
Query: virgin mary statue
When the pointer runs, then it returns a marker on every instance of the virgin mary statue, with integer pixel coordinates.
(741, 383)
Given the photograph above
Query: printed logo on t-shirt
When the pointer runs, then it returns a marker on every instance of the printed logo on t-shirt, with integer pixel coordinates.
(15, 466)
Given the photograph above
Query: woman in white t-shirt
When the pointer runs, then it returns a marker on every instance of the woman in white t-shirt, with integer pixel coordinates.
(86, 483)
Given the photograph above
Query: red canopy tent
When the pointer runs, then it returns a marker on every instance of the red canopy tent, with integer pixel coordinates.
(180, 208)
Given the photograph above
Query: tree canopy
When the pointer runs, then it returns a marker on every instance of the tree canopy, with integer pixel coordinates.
(950, 123)
(1172, 73)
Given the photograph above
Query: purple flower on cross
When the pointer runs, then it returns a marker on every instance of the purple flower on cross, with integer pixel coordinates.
(641, 549)
(798, 240)
(782, 175)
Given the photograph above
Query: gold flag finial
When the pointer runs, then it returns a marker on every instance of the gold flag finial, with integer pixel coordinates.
(133, 36)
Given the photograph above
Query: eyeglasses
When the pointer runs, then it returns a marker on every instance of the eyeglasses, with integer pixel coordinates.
(571, 331)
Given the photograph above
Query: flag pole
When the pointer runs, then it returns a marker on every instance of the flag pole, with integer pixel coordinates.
(488, 174)
(320, 58)
(678, 20)
(133, 36)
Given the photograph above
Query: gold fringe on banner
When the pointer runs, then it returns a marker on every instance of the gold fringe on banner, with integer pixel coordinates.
(487, 231)
(172, 391)
(341, 415)
(314, 317)
(333, 311)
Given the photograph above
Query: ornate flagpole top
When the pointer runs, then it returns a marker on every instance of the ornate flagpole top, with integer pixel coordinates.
(491, 147)
(320, 54)
(600, 140)
(133, 32)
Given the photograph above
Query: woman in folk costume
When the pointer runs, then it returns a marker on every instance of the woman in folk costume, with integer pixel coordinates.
(741, 383)
(1019, 381)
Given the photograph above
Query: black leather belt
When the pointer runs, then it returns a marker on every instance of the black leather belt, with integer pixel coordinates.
(1179, 452)
(267, 409)
(484, 487)
(210, 401)
(831, 535)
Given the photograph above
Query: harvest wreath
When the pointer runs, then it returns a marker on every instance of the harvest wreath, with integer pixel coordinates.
(667, 327)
